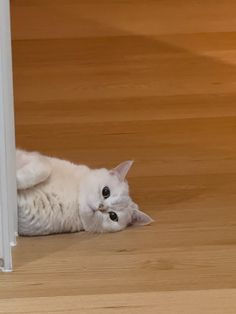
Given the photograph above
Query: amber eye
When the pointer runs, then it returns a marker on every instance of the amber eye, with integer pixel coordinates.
(106, 192)
(113, 216)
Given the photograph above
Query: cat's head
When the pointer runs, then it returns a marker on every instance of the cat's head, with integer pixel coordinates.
(105, 204)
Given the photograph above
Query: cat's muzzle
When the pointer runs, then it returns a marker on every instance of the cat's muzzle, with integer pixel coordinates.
(102, 208)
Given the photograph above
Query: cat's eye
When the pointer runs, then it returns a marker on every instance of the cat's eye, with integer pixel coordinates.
(113, 216)
(106, 192)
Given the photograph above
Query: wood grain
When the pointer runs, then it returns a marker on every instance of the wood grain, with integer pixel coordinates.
(204, 302)
(99, 83)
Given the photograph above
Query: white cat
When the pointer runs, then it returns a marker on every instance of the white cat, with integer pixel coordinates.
(56, 196)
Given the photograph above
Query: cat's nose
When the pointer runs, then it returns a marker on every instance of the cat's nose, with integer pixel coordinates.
(101, 207)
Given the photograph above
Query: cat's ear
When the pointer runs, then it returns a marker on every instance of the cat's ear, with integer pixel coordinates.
(122, 169)
(140, 218)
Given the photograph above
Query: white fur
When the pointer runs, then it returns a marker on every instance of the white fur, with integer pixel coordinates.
(57, 196)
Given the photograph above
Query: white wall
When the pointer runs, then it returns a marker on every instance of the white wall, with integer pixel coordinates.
(8, 205)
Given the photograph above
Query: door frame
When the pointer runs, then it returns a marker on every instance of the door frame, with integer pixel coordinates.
(8, 192)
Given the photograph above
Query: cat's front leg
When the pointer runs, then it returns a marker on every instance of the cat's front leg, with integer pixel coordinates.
(32, 169)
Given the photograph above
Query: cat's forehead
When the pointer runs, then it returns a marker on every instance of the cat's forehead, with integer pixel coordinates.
(104, 175)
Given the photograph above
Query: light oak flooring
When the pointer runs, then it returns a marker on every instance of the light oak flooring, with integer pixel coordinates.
(99, 82)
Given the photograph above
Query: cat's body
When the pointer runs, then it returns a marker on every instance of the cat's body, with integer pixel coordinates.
(56, 196)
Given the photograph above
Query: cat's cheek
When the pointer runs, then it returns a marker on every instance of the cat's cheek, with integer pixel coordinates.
(91, 220)
(111, 226)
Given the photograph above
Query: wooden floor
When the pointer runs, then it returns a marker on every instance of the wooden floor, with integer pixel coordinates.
(99, 82)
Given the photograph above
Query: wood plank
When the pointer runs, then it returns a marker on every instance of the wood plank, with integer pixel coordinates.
(195, 302)
(149, 80)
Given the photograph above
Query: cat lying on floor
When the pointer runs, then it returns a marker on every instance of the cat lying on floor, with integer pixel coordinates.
(56, 196)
